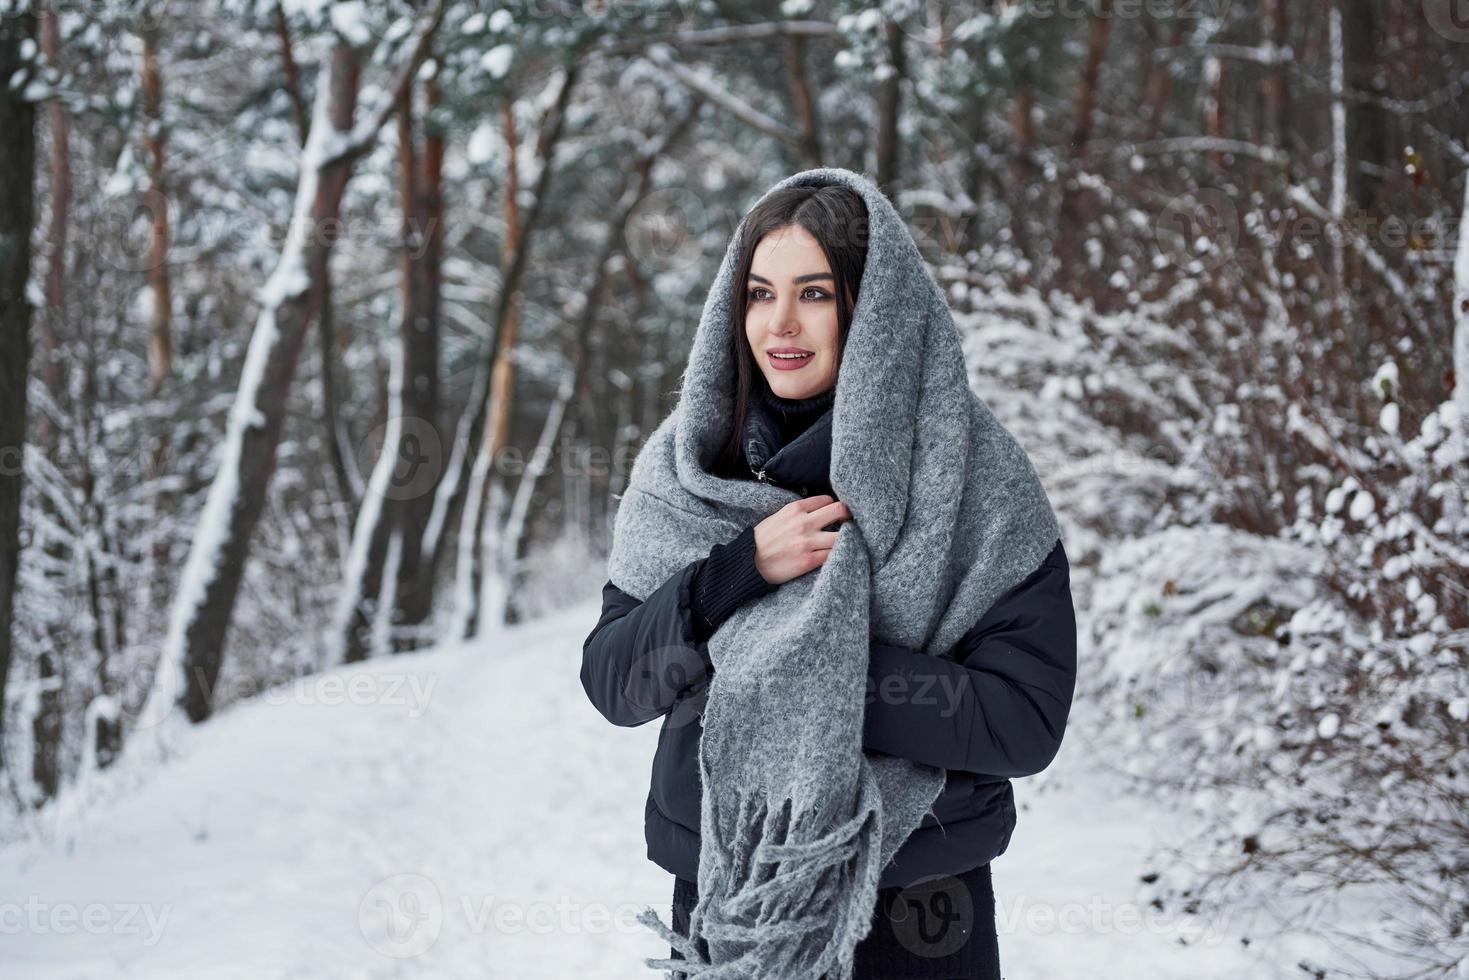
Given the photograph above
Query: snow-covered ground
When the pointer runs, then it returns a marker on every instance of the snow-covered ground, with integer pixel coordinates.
(467, 813)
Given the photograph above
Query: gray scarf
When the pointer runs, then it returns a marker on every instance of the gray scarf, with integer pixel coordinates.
(798, 820)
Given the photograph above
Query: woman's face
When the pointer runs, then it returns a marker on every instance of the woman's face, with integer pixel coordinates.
(792, 309)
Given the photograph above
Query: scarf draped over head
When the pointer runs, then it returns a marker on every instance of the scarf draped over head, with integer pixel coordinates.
(797, 819)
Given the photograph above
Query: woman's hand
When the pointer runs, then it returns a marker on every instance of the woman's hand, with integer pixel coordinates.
(791, 541)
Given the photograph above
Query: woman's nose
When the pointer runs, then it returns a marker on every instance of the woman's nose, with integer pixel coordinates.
(784, 321)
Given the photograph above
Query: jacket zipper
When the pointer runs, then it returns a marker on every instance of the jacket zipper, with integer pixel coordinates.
(760, 475)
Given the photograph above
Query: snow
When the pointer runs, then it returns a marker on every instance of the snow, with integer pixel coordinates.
(1385, 380)
(1388, 418)
(1422, 644)
(307, 8)
(497, 60)
(1362, 506)
(1329, 725)
(143, 304)
(483, 143)
(349, 19)
(465, 812)
(1461, 320)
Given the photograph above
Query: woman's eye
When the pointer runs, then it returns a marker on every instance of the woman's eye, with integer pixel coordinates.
(810, 292)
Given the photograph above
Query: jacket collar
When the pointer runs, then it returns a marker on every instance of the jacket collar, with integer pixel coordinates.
(803, 464)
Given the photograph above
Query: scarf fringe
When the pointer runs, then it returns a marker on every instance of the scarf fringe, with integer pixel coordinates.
(772, 903)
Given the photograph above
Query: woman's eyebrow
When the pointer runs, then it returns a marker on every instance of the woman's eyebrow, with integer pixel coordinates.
(810, 277)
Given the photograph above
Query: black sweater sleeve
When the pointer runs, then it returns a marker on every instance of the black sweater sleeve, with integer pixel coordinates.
(726, 580)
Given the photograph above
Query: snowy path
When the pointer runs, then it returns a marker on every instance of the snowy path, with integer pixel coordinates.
(470, 815)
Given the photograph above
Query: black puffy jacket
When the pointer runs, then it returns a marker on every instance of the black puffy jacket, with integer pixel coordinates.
(992, 708)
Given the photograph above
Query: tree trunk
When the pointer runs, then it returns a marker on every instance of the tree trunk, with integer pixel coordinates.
(46, 728)
(497, 561)
(56, 234)
(1074, 211)
(362, 578)
(423, 212)
(291, 74)
(17, 204)
(485, 483)
(889, 112)
(194, 647)
(160, 318)
(449, 502)
(805, 104)
(1369, 138)
(1461, 325)
(1091, 71)
(507, 544)
(1160, 84)
(1023, 119)
(334, 439)
(1214, 105)
(1276, 90)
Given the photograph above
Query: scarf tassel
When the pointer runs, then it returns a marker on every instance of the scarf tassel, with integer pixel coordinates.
(772, 902)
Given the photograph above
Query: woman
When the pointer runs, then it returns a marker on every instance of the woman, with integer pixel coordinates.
(993, 707)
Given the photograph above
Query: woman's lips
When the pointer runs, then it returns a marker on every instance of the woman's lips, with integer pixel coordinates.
(788, 363)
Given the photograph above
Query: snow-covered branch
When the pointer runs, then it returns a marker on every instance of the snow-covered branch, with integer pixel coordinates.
(721, 94)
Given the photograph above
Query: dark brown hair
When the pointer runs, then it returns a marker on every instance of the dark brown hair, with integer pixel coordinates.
(836, 217)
